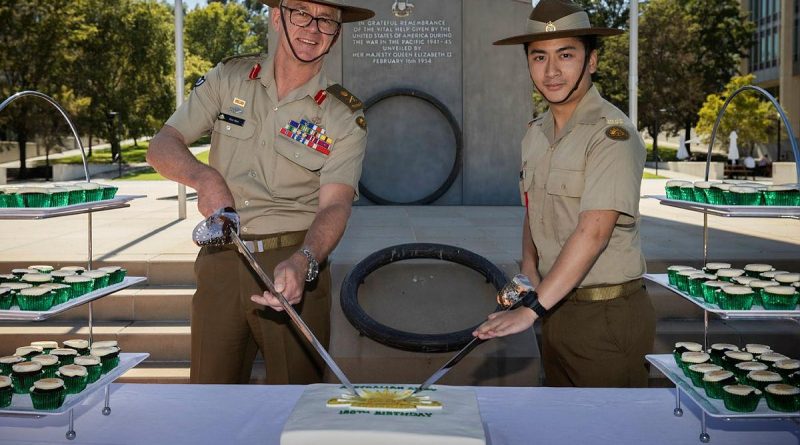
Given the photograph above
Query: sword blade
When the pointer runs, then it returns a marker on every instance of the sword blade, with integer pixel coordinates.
(293, 315)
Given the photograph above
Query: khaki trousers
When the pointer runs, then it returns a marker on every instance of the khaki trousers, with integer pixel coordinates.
(599, 344)
(228, 329)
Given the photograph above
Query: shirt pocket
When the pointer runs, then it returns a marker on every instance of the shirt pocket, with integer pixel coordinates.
(562, 204)
(232, 133)
(567, 183)
(297, 169)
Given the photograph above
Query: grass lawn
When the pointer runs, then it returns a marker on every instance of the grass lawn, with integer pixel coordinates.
(149, 174)
(130, 154)
(652, 176)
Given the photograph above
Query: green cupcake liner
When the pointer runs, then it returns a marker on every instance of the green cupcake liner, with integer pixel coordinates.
(735, 302)
(74, 385)
(109, 192)
(61, 296)
(677, 356)
(80, 289)
(101, 282)
(794, 379)
(756, 384)
(710, 294)
(3, 200)
(22, 383)
(697, 377)
(784, 404)
(779, 302)
(745, 199)
(740, 404)
(94, 195)
(5, 396)
(77, 197)
(48, 400)
(49, 372)
(672, 276)
(5, 369)
(782, 198)
(94, 373)
(715, 196)
(59, 199)
(15, 200)
(117, 277)
(109, 363)
(700, 196)
(66, 359)
(687, 194)
(36, 200)
(784, 373)
(717, 359)
(41, 303)
(682, 281)
(673, 192)
(696, 288)
(6, 301)
(714, 389)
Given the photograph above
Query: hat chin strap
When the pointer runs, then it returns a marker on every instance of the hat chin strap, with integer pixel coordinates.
(577, 84)
(291, 46)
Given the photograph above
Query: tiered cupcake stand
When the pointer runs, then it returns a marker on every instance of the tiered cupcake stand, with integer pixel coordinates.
(20, 405)
(665, 362)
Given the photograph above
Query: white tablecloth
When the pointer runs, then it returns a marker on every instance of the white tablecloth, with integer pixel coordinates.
(254, 414)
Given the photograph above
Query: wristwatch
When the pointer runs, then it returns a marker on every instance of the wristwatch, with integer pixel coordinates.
(531, 301)
(313, 265)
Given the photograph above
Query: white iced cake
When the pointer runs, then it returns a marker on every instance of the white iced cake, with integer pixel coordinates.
(446, 415)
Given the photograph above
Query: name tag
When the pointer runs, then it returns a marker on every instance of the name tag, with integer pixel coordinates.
(231, 119)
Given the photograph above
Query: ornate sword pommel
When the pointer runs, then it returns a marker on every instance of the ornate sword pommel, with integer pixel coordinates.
(514, 291)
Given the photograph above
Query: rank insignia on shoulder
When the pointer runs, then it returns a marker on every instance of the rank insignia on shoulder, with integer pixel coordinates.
(362, 122)
(617, 133)
(309, 134)
(200, 81)
(320, 97)
(345, 97)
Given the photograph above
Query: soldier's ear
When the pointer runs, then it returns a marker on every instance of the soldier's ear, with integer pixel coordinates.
(593, 62)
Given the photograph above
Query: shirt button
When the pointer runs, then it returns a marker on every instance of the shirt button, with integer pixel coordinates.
(227, 127)
(563, 187)
(264, 143)
(244, 229)
(296, 155)
(275, 109)
(252, 173)
(247, 203)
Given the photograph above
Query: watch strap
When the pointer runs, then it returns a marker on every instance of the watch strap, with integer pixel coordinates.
(531, 301)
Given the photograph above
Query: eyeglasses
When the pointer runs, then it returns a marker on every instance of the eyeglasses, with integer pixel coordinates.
(301, 18)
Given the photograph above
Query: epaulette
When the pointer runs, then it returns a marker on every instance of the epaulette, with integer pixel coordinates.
(241, 56)
(346, 97)
(534, 120)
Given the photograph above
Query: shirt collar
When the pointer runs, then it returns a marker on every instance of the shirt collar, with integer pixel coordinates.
(310, 88)
(588, 111)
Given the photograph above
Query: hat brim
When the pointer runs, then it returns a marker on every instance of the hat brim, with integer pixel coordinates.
(535, 37)
(349, 13)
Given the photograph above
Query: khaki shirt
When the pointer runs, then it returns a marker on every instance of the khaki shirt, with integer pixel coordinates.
(274, 179)
(583, 168)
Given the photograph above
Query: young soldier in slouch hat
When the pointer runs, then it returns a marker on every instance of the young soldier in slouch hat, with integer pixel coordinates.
(286, 152)
(582, 164)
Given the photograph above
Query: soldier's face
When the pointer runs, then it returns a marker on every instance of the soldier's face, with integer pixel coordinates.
(308, 42)
(555, 66)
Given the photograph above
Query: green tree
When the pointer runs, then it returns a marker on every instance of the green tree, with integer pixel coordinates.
(37, 46)
(218, 31)
(607, 13)
(749, 114)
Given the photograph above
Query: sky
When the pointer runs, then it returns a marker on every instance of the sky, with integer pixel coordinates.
(190, 4)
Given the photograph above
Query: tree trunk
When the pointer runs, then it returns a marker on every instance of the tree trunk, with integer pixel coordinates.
(688, 136)
(22, 142)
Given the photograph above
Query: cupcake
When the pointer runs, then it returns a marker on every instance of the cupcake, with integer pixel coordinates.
(28, 352)
(744, 280)
(717, 351)
(696, 372)
(6, 298)
(782, 195)
(8, 278)
(100, 278)
(716, 193)
(6, 391)
(685, 346)
(59, 275)
(760, 379)
(46, 345)
(42, 268)
(74, 377)
(757, 349)
(693, 358)
(49, 364)
(115, 273)
(714, 381)
(758, 290)
(35, 299)
(780, 298)
(731, 358)
(94, 192)
(682, 279)
(20, 272)
(109, 357)
(794, 379)
(109, 191)
(672, 273)
(61, 292)
(783, 398)
(696, 281)
(754, 270)
(735, 298)
(743, 368)
(770, 358)
(786, 367)
(7, 362)
(59, 196)
(105, 344)
(711, 288)
(24, 374)
(786, 279)
(66, 356)
(740, 398)
(94, 367)
(76, 194)
(673, 188)
(712, 268)
(79, 345)
(80, 285)
(729, 274)
(48, 394)
(688, 194)
(75, 269)
(770, 274)
(744, 196)
(701, 191)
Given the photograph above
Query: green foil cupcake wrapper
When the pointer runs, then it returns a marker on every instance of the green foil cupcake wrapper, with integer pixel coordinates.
(74, 385)
(714, 389)
(22, 384)
(101, 282)
(5, 396)
(779, 302)
(59, 199)
(36, 200)
(49, 372)
(783, 403)
(77, 197)
(782, 198)
(715, 196)
(745, 199)
(61, 296)
(735, 302)
(673, 192)
(740, 404)
(94, 195)
(117, 277)
(109, 363)
(93, 373)
(109, 192)
(40, 303)
(49, 400)
(6, 301)
(80, 289)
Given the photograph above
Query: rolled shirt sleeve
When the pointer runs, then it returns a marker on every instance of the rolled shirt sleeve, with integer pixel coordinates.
(197, 115)
(346, 159)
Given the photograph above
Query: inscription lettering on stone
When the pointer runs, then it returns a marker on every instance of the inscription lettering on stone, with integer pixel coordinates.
(409, 42)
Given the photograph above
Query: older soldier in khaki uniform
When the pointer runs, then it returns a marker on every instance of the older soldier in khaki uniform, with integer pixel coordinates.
(582, 164)
(286, 153)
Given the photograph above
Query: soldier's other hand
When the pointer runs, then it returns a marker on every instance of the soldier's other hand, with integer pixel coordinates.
(289, 280)
(505, 323)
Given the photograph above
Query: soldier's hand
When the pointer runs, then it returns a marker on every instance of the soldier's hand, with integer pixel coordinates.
(505, 323)
(290, 280)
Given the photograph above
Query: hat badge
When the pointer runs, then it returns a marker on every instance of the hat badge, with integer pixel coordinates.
(550, 27)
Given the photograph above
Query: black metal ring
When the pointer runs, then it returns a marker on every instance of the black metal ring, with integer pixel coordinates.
(454, 126)
(410, 341)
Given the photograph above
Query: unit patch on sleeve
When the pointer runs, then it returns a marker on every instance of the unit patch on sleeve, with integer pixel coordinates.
(617, 133)
(309, 134)
(200, 81)
(362, 122)
(345, 97)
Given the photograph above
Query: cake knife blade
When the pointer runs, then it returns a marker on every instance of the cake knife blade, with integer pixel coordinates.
(510, 298)
(293, 315)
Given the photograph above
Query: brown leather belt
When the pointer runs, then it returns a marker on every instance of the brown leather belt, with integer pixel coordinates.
(258, 243)
(605, 293)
